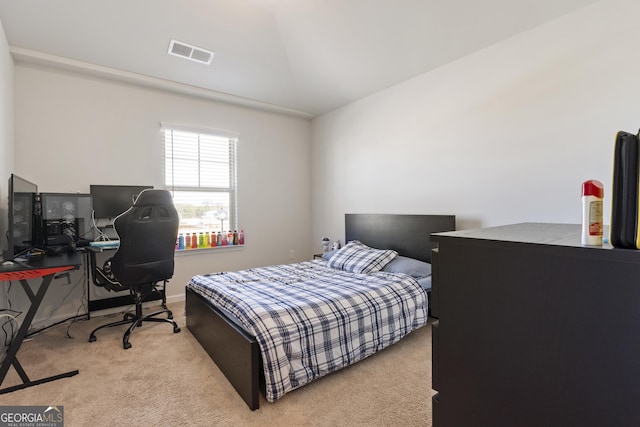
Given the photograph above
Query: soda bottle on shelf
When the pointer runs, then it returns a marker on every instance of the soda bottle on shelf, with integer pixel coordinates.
(230, 238)
(181, 241)
(194, 241)
(206, 240)
(187, 241)
(219, 239)
(201, 240)
(235, 237)
(213, 239)
(241, 237)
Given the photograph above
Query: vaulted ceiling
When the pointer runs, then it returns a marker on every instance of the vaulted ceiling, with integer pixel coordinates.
(308, 56)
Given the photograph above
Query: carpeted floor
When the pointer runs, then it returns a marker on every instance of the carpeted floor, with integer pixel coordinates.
(168, 379)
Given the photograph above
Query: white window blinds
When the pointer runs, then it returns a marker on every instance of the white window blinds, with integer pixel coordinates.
(200, 168)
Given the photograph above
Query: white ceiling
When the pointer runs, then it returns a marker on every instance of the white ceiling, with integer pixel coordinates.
(310, 56)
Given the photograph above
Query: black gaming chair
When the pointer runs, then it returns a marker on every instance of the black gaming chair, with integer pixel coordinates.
(147, 233)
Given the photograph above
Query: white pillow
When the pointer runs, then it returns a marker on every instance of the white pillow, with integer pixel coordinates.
(357, 257)
(413, 267)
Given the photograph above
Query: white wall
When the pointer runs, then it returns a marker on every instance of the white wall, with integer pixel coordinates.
(503, 136)
(6, 127)
(74, 130)
(6, 141)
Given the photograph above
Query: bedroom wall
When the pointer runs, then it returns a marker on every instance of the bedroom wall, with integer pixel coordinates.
(6, 139)
(74, 130)
(506, 135)
(6, 127)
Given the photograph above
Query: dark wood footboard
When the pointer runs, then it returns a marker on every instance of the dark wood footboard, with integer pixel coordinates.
(235, 352)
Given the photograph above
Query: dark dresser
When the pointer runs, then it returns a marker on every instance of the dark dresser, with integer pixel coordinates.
(534, 329)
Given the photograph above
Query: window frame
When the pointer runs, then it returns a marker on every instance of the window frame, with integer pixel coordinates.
(198, 132)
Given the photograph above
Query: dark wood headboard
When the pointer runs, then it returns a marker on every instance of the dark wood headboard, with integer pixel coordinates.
(409, 235)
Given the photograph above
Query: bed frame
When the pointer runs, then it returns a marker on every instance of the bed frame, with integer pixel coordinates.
(237, 353)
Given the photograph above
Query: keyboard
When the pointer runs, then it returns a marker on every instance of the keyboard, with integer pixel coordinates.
(105, 244)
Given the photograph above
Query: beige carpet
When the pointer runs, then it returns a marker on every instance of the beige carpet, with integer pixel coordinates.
(168, 379)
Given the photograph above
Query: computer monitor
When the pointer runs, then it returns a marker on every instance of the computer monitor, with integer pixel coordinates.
(66, 217)
(109, 201)
(21, 229)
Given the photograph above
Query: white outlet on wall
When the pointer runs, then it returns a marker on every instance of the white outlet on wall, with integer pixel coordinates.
(292, 254)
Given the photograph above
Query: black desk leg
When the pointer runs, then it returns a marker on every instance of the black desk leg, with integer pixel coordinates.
(11, 359)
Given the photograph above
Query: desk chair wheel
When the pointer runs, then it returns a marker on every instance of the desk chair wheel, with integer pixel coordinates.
(136, 320)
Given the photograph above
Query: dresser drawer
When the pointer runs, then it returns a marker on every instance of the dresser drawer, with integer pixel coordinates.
(435, 355)
(434, 283)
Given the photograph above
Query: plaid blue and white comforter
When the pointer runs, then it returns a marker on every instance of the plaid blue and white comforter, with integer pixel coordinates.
(311, 320)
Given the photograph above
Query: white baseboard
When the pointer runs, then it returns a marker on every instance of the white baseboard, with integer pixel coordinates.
(175, 298)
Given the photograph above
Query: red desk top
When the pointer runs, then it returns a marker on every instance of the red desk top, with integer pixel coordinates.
(32, 274)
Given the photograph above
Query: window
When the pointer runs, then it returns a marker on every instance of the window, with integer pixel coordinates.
(200, 170)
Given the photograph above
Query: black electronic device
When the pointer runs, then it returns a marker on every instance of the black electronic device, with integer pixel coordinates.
(109, 201)
(22, 223)
(624, 206)
(66, 219)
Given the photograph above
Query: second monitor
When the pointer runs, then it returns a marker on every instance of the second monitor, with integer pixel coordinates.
(109, 201)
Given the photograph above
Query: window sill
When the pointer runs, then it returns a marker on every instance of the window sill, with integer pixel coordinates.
(195, 251)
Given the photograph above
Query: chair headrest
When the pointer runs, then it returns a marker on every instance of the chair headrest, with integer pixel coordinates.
(150, 197)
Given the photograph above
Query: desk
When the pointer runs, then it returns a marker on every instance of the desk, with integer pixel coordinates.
(45, 268)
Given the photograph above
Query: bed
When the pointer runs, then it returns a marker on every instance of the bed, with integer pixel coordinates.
(212, 316)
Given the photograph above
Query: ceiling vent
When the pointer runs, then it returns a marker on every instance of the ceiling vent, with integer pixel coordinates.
(187, 51)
